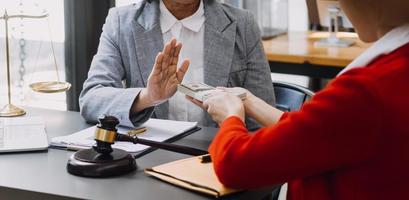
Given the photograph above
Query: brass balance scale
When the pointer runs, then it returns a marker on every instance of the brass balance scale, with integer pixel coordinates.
(58, 86)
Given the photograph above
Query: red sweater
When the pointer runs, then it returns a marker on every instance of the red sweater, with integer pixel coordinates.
(351, 141)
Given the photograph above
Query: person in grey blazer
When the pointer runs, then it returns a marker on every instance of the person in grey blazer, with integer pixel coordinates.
(134, 74)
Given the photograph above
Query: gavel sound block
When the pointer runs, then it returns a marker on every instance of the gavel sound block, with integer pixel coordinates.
(104, 161)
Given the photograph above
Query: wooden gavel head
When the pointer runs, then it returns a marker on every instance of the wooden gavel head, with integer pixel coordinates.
(105, 134)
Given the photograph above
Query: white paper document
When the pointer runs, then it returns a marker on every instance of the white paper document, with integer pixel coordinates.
(22, 134)
(157, 130)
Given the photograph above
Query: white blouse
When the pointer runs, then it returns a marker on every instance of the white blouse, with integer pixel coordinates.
(190, 32)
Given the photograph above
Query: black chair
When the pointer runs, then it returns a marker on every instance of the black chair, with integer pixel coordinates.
(290, 97)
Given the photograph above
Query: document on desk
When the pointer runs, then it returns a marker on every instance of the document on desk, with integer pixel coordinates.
(193, 174)
(157, 130)
(25, 133)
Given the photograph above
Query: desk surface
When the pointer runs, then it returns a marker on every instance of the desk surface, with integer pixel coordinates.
(42, 175)
(298, 48)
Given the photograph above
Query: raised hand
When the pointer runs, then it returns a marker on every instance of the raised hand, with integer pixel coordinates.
(164, 78)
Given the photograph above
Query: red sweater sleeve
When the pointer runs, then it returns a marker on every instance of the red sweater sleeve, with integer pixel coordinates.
(339, 127)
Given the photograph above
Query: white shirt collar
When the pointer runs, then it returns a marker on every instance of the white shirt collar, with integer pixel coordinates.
(393, 40)
(193, 22)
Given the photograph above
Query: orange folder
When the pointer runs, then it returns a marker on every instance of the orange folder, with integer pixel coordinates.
(191, 174)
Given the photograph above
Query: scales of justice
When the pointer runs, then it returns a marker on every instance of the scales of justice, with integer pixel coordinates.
(11, 110)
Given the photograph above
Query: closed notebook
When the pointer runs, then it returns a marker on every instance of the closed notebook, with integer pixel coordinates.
(191, 174)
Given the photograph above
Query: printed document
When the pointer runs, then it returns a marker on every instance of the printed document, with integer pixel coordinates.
(157, 130)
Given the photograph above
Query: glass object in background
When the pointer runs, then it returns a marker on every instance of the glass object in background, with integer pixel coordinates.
(31, 53)
(271, 15)
(332, 17)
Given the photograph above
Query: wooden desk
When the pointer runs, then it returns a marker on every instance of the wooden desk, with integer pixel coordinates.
(295, 53)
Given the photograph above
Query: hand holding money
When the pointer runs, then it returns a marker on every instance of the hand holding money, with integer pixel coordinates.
(220, 103)
(201, 91)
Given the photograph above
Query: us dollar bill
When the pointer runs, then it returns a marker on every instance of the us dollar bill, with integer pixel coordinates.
(202, 91)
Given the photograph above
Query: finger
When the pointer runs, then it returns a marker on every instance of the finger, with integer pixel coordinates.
(222, 88)
(175, 58)
(218, 93)
(189, 98)
(157, 68)
(176, 54)
(210, 110)
(173, 43)
(182, 70)
(169, 69)
(206, 106)
(167, 57)
(166, 48)
(196, 102)
(172, 50)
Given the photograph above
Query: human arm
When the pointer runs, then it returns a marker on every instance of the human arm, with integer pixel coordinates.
(104, 92)
(258, 78)
(256, 108)
(340, 127)
(224, 104)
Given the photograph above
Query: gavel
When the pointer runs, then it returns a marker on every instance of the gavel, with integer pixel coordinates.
(103, 161)
(106, 135)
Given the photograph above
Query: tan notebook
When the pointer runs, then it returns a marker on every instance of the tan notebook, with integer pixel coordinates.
(192, 174)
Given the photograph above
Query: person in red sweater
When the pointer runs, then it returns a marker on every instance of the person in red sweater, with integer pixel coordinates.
(351, 141)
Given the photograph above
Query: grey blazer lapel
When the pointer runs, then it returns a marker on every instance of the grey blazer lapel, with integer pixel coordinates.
(148, 38)
(149, 42)
(220, 38)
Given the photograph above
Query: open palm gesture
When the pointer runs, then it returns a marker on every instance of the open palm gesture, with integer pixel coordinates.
(165, 76)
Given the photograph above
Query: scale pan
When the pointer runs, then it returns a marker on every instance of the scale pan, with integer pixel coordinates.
(50, 87)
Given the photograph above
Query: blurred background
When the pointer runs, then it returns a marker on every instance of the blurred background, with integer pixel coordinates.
(31, 53)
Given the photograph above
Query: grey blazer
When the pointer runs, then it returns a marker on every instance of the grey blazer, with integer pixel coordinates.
(131, 39)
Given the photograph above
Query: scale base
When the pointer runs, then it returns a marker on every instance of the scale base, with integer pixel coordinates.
(10, 110)
(89, 163)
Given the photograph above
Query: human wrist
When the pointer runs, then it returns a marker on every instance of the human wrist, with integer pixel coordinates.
(233, 116)
(238, 112)
(250, 104)
(241, 117)
(142, 102)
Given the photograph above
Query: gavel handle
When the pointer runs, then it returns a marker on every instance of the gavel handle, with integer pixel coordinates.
(161, 145)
